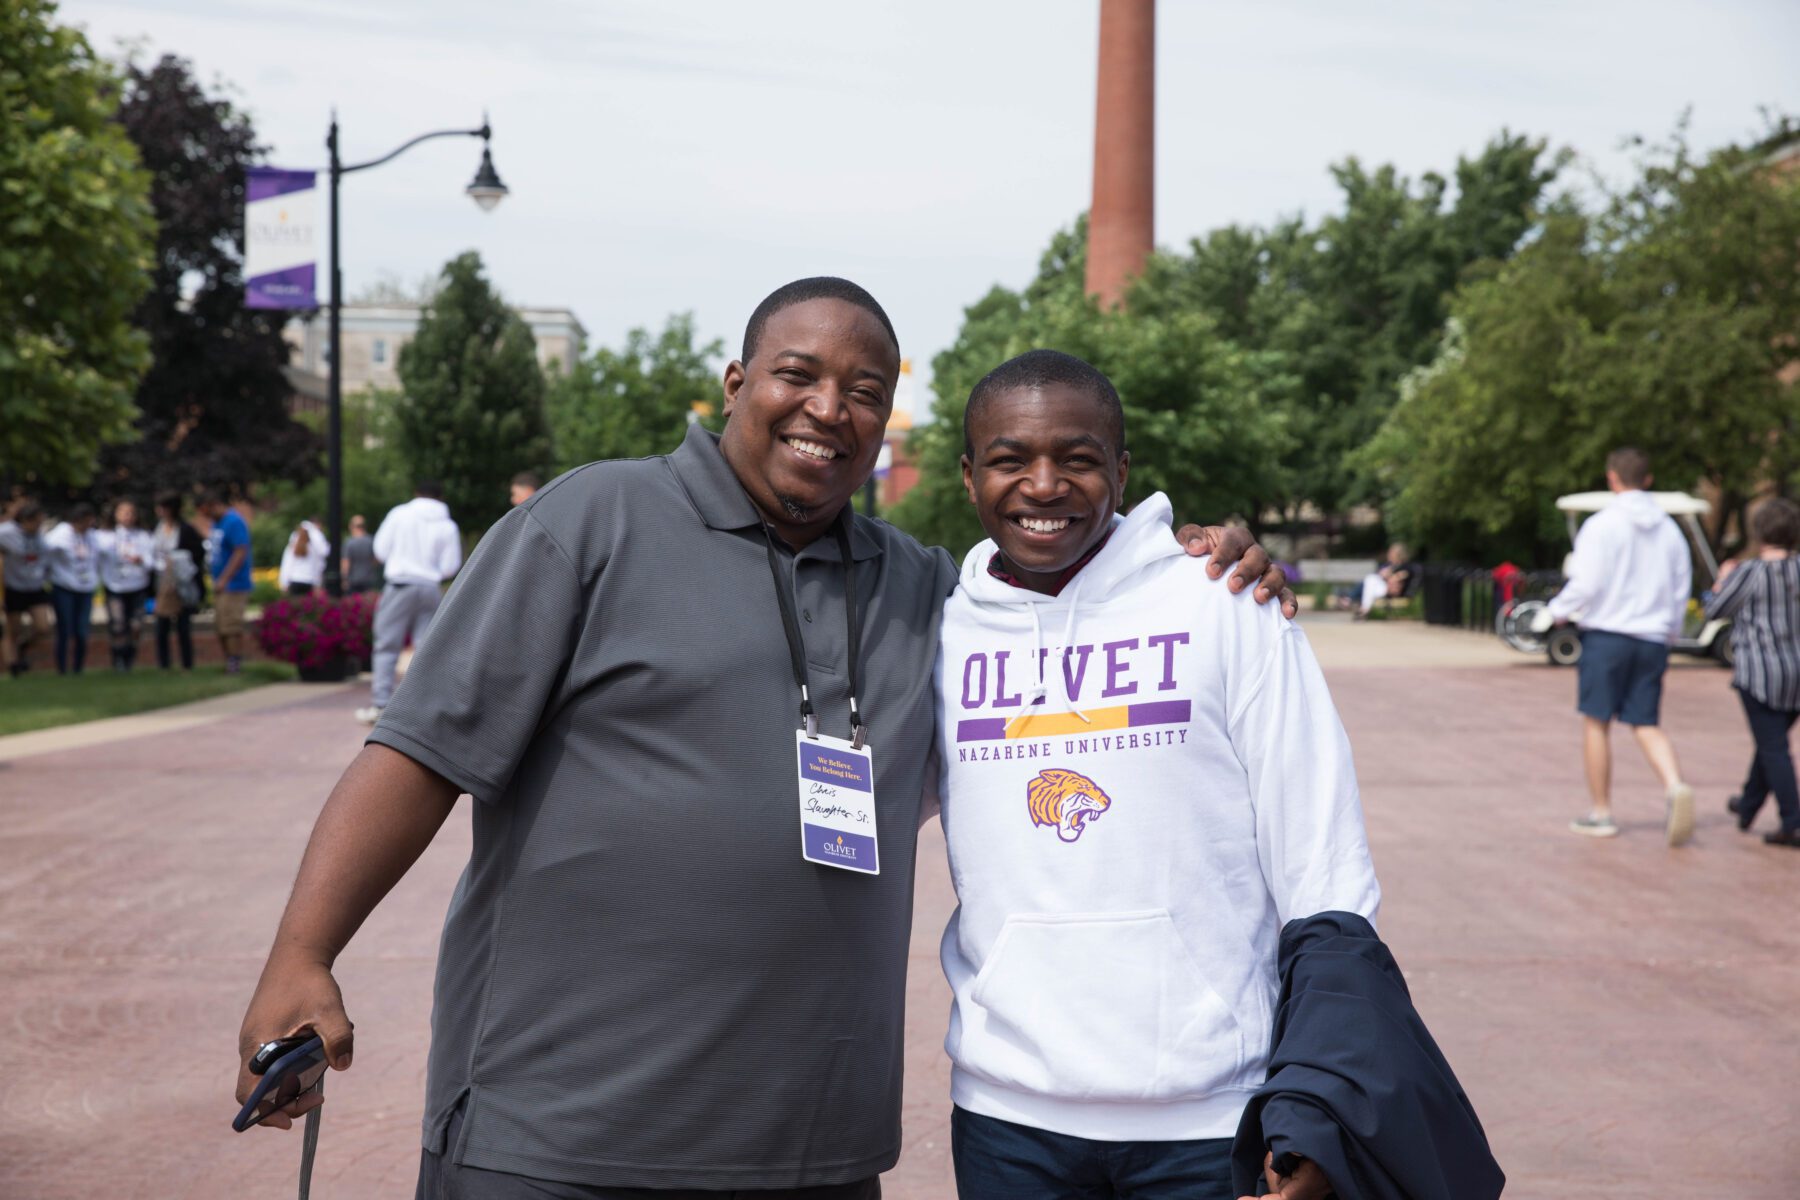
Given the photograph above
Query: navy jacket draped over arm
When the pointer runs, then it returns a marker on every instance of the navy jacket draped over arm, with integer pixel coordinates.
(1355, 1081)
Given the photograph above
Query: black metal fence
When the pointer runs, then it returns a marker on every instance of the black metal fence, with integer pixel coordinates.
(1468, 597)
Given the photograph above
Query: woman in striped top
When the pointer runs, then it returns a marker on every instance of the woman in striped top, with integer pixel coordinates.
(1762, 598)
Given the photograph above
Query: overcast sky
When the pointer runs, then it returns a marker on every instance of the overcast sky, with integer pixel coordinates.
(693, 155)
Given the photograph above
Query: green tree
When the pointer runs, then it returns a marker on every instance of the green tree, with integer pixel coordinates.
(76, 233)
(471, 412)
(1356, 301)
(1483, 438)
(1198, 407)
(637, 400)
(213, 408)
(1667, 320)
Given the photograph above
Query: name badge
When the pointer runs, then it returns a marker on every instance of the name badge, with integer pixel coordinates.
(837, 803)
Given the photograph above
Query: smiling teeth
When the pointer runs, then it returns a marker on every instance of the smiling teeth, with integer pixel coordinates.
(1036, 526)
(812, 448)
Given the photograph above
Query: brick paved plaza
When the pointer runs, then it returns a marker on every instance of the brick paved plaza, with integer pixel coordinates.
(1621, 1014)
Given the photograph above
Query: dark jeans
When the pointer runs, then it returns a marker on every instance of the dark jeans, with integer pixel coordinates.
(1772, 768)
(998, 1160)
(183, 624)
(442, 1179)
(74, 616)
(123, 612)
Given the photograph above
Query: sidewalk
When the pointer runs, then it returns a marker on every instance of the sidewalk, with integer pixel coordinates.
(1619, 1012)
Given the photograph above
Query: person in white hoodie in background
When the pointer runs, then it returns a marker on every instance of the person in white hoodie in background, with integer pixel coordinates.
(1144, 780)
(1630, 579)
(418, 547)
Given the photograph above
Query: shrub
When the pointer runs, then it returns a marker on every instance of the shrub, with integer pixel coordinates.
(312, 631)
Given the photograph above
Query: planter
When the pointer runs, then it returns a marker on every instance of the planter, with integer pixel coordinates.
(325, 638)
(335, 671)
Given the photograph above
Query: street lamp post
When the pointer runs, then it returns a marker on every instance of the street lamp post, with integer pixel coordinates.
(487, 191)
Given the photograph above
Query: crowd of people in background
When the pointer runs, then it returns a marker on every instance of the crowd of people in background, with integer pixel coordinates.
(54, 570)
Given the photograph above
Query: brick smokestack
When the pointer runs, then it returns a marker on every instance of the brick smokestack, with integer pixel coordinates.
(1121, 223)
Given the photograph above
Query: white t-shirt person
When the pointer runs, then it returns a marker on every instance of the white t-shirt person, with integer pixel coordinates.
(74, 558)
(304, 567)
(26, 561)
(127, 556)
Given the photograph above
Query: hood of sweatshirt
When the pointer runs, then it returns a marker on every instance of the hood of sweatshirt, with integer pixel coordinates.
(424, 508)
(1137, 541)
(1639, 508)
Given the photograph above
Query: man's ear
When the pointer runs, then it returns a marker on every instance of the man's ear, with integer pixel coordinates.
(968, 478)
(1124, 469)
(733, 383)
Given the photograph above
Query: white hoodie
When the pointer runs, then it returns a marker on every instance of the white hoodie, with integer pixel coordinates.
(418, 542)
(1127, 848)
(1631, 572)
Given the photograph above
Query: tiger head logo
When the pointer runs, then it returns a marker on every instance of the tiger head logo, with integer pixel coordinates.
(1065, 800)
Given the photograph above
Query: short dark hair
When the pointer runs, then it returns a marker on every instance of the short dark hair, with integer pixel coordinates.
(27, 510)
(817, 287)
(170, 501)
(1776, 522)
(1039, 369)
(81, 512)
(1631, 465)
(528, 479)
(215, 495)
(431, 489)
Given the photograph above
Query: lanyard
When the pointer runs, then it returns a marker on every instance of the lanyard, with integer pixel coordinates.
(790, 625)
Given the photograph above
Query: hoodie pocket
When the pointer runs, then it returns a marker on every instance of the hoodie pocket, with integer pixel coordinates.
(1099, 1006)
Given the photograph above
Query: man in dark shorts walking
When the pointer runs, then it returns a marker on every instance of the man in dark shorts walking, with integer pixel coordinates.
(1629, 584)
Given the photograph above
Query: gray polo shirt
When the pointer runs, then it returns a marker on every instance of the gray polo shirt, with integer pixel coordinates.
(641, 982)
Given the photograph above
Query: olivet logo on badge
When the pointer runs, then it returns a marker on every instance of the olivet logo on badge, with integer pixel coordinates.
(841, 848)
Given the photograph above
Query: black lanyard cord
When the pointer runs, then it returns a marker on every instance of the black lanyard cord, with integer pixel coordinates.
(790, 626)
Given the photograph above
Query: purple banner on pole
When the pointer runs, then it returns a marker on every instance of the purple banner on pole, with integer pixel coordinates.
(264, 183)
(280, 264)
(292, 288)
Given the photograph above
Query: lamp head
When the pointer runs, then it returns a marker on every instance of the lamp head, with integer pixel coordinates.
(486, 188)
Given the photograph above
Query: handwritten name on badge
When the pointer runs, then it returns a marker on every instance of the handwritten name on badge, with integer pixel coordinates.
(837, 804)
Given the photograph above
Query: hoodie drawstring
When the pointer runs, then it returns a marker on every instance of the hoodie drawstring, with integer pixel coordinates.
(1040, 652)
(1037, 652)
(1068, 640)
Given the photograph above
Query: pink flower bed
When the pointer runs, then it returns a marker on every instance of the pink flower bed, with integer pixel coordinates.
(313, 631)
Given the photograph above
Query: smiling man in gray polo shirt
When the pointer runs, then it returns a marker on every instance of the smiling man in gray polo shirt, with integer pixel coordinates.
(643, 984)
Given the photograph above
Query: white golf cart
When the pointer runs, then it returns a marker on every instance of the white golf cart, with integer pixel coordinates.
(1526, 625)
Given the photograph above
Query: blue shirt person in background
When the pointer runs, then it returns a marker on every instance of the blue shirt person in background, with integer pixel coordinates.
(230, 569)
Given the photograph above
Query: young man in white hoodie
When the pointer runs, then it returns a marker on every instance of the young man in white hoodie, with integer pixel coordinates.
(1630, 580)
(419, 547)
(1145, 780)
